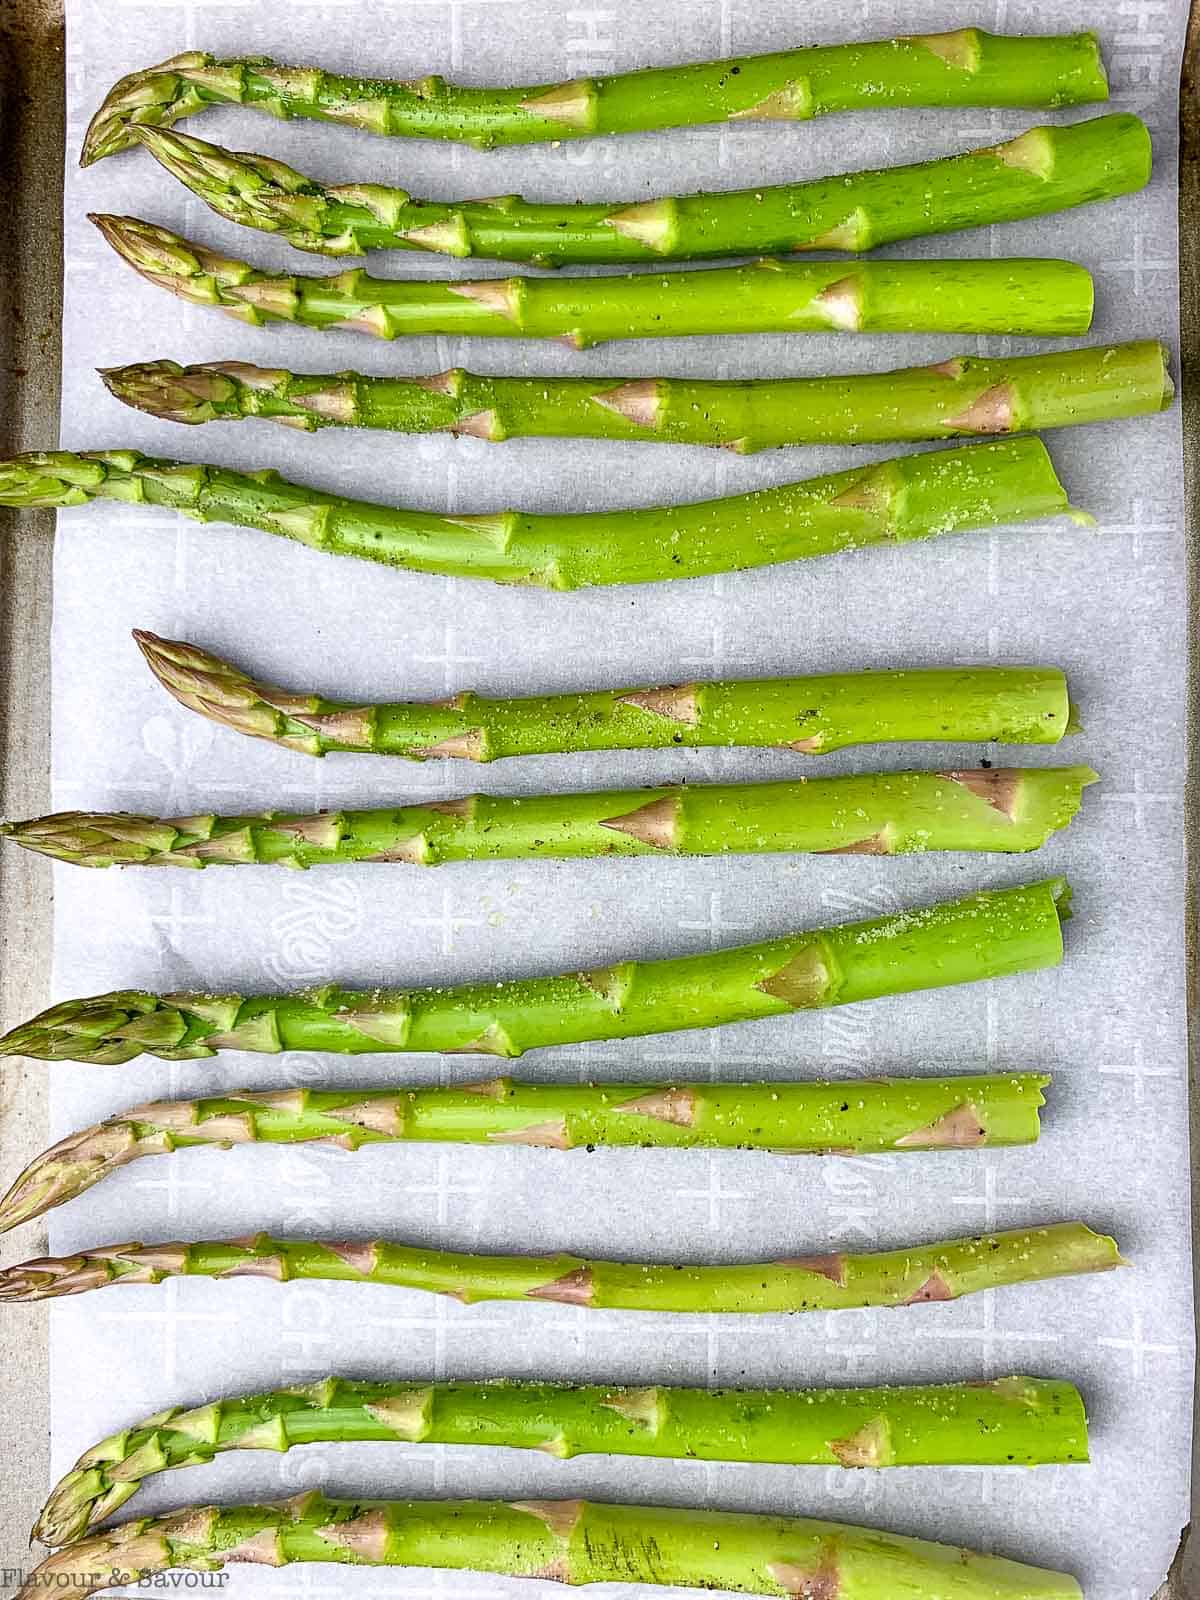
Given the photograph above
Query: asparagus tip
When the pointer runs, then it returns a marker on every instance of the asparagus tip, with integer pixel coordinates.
(223, 693)
(159, 94)
(47, 479)
(70, 1167)
(254, 191)
(97, 838)
(167, 390)
(101, 1562)
(189, 271)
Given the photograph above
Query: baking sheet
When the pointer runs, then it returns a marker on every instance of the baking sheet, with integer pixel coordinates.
(1108, 605)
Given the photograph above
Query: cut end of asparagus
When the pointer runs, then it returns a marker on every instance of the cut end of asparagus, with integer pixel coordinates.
(1061, 894)
(1168, 382)
(156, 97)
(1088, 1251)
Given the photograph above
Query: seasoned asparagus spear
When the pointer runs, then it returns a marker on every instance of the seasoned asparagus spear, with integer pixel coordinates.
(573, 1541)
(855, 1118)
(965, 396)
(812, 716)
(996, 808)
(911, 1276)
(992, 934)
(1043, 170)
(1022, 1421)
(964, 296)
(965, 68)
(894, 502)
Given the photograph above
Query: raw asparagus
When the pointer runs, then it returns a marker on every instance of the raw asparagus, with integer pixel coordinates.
(964, 296)
(1009, 1421)
(572, 1541)
(1046, 169)
(913, 1275)
(996, 808)
(965, 68)
(856, 1118)
(965, 396)
(895, 502)
(812, 716)
(992, 934)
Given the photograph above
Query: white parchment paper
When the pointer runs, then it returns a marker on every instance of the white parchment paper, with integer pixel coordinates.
(1107, 604)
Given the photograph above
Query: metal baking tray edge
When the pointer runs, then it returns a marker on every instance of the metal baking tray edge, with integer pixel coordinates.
(31, 165)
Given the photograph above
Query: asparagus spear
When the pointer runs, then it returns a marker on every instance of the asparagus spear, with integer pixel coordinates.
(965, 296)
(909, 498)
(967, 395)
(965, 68)
(997, 808)
(573, 1541)
(913, 1275)
(854, 1118)
(992, 934)
(1023, 1421)
(1017, 705)
(1043, 170)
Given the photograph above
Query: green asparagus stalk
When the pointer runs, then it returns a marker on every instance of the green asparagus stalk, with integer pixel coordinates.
(1043, 170)
(992, 934)
(1024, 1421)
(996, 808)
(913, 1275)
(965, 68)
(895, 502)
(812, 716)
(965, 396)
(964, 296)
(856, 1118)
(573, 1541)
